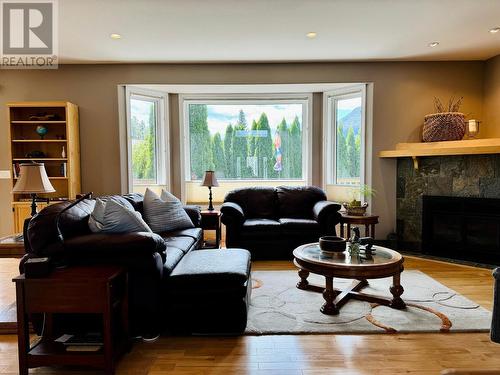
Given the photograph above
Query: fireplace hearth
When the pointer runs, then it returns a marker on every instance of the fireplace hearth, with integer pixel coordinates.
(461, 228)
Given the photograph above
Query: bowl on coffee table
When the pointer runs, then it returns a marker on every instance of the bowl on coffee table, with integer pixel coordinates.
(332, 244)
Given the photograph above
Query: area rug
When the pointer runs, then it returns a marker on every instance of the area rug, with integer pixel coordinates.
(278, 307)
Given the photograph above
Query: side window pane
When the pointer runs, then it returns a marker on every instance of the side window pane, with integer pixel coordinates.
(246, 141)
(348, 114)
(143, 135)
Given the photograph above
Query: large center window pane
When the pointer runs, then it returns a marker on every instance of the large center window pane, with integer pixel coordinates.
(246, 141)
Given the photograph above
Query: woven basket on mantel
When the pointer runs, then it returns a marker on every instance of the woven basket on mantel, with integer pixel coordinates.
(445, 126)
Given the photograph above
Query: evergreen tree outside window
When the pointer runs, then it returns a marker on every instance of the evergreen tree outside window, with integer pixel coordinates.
(246, 141)
(348, 152)
(143, 114)
(347, 133)
(147, 140)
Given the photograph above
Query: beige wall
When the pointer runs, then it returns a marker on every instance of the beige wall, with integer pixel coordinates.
(403, 93)
(491, 117)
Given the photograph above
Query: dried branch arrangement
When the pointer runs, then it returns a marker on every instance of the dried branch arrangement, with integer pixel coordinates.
(453, 105)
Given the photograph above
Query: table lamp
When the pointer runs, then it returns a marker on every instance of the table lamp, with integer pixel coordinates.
(209, 180)
(33, 180)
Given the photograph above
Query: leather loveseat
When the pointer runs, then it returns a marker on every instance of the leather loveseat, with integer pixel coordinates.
(150, 259)
(271, 222)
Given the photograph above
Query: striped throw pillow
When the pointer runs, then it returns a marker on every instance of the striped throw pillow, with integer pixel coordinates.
(164, 213)
(111, 216)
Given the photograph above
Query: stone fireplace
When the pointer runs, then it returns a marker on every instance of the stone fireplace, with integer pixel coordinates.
(461, 176)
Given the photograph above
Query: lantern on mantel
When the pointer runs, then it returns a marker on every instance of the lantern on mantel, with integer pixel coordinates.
(473, 128)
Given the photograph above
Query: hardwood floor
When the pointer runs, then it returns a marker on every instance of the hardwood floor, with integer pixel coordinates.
(312, 354)
(8, 270)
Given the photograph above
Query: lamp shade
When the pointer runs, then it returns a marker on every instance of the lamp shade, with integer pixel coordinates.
(33, 179)
(209, 179)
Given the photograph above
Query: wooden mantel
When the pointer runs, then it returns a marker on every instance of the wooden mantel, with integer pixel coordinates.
(464, 147)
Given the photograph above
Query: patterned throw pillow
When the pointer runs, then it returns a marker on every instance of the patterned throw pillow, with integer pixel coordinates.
(165, 213)
(112, 216)
(97, 216)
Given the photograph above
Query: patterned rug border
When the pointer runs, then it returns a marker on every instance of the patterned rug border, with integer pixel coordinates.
(446, 323)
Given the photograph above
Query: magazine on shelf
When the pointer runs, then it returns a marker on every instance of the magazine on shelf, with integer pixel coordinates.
(87, 339)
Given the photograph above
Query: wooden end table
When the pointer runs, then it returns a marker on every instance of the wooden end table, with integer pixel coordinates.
(10, 247)
(384, 263)
(210, 220)
(368, 221)
(83, 290)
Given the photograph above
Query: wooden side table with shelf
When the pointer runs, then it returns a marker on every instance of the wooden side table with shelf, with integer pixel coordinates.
(368, 221)
(74, 290)
(210, 220)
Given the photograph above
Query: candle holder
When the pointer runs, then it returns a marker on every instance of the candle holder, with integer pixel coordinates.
(473, 128)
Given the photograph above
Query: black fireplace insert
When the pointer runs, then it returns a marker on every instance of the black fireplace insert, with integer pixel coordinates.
(462, 228)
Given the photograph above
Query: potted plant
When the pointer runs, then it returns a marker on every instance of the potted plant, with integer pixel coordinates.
(354, 207)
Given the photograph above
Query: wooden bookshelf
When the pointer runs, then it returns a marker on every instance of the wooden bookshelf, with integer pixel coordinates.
(62, 131)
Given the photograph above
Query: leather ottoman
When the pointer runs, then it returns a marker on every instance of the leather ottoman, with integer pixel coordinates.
(209, 292)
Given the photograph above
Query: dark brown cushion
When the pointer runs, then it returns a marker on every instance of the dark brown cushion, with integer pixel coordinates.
(298, 201)
(256, 202)
(183, 243)
(257, 225)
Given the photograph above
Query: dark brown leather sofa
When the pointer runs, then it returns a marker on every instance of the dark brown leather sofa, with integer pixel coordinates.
(271, 222)
(150, 259)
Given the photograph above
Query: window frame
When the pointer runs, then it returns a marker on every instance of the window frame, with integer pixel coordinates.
(330, 100)
(162, 136)
(250, 99)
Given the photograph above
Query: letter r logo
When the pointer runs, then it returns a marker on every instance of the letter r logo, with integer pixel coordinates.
(27, 28)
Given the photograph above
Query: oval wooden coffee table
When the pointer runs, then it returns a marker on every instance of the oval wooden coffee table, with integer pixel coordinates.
(383, 263)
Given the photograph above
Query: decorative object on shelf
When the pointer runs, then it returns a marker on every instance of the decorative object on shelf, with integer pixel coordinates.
(367, 242)
(332, 244)
(41, 131)
(43, 116)
(473, 128)
(353, 244)
(355, 207)
(33, 180)
(36, 154)
(447, 124)
(63, 152)
(209, 180)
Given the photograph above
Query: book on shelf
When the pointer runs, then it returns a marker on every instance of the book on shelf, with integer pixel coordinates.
(86, 339)
(16, 169)
(83, 348)
(63, 170)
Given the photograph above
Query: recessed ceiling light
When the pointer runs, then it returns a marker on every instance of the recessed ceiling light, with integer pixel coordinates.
(311, 35)
(495, 30)
(115, 36)
(434, 44)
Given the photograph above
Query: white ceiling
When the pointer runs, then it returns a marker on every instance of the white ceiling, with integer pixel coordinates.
(274, 30)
